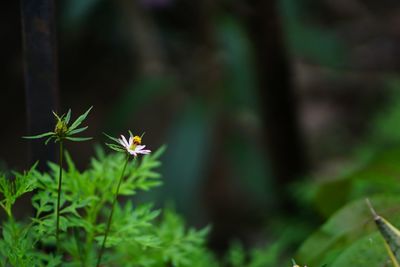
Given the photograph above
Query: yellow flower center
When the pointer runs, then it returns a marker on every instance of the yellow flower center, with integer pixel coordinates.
(136, 141)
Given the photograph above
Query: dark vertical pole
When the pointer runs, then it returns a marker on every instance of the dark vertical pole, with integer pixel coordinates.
(41, 73)
(279, 106)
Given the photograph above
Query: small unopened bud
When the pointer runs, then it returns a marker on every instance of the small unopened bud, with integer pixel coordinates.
(61, 129)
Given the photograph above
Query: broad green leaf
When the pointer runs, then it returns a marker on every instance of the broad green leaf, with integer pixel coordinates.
(367, 251)
(390, 233)
(378, 175)
(346, 226)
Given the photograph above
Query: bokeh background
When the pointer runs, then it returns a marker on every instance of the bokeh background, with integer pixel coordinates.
(254, 99)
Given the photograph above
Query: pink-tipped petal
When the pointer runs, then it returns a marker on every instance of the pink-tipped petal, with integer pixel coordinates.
(144, 152)
(132, 152)
(139, 147)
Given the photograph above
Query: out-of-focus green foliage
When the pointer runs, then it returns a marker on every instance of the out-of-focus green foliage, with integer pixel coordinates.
(351, 223)
(385, 128)
(184, 164)
(349, 237)
(277, 251)
(368, 250)
(310, 41)
(376, 169)
(239, 71)
(379, 175)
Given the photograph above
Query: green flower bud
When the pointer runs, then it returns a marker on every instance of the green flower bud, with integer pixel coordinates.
(61, 129)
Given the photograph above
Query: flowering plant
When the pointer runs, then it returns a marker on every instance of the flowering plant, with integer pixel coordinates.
(64, 131)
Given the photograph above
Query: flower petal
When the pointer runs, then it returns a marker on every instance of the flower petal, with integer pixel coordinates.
(121, 142)
(134, 153)
(130, 140)
(125, 142)
(144, 152)
(139, 147)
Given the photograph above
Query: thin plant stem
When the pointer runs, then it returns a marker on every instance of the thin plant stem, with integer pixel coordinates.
(112, 212)
(59, 196)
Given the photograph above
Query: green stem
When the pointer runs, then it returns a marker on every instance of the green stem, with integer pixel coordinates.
(112, 212)
(59, 196)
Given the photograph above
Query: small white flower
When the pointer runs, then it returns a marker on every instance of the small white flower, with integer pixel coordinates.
(134, 146)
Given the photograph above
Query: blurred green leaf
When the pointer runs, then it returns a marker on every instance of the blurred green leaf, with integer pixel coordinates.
(311, 41)
(240, 80)
(378, 175)
(184, 162)
(349, 224)
(251, 170)
(367, 251)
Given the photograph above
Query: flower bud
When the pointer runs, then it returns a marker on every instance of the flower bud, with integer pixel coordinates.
(61, 129)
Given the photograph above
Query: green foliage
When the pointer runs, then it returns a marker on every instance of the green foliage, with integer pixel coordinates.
(274, 253)
(390, 234)
(310, 40)
(378, 175)
(265, 256)
(385, 128)
(11, 189)
(348, 225)
(189, 137)
(367, 251)
(240, 81)
(349, 236)
(140, 235)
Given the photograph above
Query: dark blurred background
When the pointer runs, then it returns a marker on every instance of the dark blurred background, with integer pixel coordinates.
(251, 97)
